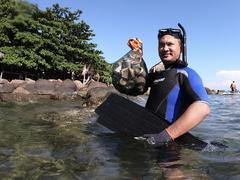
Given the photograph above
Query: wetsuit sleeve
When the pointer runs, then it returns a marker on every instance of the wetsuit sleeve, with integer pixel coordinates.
(191, 85)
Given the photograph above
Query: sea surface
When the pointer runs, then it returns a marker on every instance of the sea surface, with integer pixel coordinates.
(61, 140)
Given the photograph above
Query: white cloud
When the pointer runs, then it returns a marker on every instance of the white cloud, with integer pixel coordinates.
(233, 75)
(224, 79)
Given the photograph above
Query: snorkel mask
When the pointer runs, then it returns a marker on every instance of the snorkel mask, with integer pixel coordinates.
(179, 34)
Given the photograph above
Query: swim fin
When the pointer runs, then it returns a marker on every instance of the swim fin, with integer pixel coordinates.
(128, 118)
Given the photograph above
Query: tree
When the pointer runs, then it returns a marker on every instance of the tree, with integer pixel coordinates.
(53, 42)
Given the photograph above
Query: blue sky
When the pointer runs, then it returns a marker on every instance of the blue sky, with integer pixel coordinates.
(212, 27)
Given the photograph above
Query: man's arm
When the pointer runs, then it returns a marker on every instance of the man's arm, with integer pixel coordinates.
(194, 114)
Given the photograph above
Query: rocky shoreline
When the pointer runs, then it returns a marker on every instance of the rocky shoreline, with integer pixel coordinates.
(29, 90)
(214, 91)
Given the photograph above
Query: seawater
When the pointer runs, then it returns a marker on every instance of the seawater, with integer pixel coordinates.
(61, 140)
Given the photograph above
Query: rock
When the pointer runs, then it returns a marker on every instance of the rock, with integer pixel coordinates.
(17, 97)
(208, 90)
(29, 86)
(21, 90)
(30, 90)
(17, 82)
(67, 87)
(44, 87)
(28, 80)
(83, 92)
(6, 87)
(220, 91)
(78, 84)
(98, 94)
(94, 84)
(3, 81)
(212, 91)
(66, 90)
(57, 83)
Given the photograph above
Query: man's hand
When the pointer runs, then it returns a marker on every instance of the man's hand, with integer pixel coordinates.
(136, 45)
(159, 139)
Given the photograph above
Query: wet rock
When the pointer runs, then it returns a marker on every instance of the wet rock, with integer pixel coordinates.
(97, 95)
(83, 92)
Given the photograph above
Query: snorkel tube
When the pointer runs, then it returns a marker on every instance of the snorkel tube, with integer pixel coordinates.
(184, 39)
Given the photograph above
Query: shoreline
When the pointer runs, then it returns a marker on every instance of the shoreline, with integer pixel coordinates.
(28, 90)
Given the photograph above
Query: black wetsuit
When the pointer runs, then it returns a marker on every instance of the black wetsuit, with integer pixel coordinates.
(173, 90)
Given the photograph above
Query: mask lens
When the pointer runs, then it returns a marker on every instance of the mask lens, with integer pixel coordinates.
(174, 32)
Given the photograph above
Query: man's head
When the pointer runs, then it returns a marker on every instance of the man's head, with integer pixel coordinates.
(172, 43)
(169, 49)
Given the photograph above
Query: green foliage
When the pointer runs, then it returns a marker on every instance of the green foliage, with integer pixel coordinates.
(54, 41)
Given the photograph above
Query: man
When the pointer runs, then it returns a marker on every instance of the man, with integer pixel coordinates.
(177, 93)
(233, 87)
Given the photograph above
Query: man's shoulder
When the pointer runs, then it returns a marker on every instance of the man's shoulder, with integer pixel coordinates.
(188, 73)
(157, 68)
(185, 70)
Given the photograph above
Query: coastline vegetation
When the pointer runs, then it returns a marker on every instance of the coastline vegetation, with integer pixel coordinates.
(54, 43)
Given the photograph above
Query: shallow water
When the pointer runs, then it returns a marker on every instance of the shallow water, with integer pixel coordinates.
(60, 140)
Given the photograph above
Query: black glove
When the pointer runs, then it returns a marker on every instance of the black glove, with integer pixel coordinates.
(159, 139)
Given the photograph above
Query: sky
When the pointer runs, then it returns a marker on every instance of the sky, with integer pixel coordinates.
(212, 27)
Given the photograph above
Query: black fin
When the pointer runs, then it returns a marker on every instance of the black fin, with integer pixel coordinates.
(128, 118)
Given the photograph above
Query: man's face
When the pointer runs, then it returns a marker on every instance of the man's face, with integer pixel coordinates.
(169, 49)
